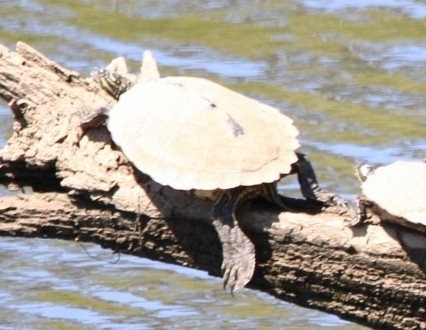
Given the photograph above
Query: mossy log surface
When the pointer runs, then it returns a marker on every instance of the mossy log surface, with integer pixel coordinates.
(85, 189)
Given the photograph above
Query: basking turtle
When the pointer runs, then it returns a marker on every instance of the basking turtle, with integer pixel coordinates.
(395, 193)
(193, 134)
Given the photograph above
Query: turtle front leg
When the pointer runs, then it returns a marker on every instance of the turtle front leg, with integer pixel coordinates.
(309, 184)
(360, 213)
(362, 205)
(89, 118)
(238, 251)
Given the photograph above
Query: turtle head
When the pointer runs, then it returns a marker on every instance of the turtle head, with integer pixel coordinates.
(363, 170)
(112, 82)
(116, 80)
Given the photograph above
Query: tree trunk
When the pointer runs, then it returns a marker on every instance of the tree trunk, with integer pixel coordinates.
(85, 189)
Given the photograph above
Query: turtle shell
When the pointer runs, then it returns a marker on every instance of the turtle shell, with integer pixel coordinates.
(191, 133)
(400, 189)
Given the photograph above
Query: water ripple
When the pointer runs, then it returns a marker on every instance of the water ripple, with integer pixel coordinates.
(410, 7)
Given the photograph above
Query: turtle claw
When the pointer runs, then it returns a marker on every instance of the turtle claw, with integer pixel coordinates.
(354, 220)
(330, 198)
(91, 117)
(237, 270)
(239, 260)
(228, 278)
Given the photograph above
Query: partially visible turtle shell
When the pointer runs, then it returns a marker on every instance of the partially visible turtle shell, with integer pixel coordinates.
(191, 133)
(400, 189)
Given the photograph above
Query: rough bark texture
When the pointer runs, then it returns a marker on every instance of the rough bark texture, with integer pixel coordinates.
(86, 190)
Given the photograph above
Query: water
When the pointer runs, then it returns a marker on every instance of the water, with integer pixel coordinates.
(351, 75)
(52, 284)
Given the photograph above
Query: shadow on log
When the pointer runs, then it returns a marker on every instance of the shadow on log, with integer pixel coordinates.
(85, 189)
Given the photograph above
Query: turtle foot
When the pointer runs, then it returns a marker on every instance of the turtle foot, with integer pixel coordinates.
(239, 257)
(330, 198)
(361, 217)
(354, 220)
(238, 260)
(91, 117)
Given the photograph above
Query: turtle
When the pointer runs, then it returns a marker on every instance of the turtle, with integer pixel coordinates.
(394, 192)
(193, 134)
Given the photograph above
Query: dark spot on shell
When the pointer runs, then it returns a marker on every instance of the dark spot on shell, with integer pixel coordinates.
(237, 129)
(212, 104)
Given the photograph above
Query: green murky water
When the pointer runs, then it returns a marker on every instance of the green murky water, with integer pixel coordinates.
(351, 75)
(51, 284)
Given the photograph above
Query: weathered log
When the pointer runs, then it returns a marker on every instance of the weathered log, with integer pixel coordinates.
(374, 275)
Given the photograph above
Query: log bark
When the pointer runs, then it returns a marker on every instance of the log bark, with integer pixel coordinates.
(85, 189)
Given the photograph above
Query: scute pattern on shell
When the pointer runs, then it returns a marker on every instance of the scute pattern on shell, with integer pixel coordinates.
(400, 189)
(191, 133)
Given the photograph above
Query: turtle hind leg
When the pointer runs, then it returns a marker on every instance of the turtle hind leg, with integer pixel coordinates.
(238, 251)
(309, 184)
(270, 193)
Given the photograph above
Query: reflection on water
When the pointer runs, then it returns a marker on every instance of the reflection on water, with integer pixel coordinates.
(56, 284)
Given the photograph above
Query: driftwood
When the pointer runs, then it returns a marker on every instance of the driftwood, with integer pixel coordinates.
(85, 189)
